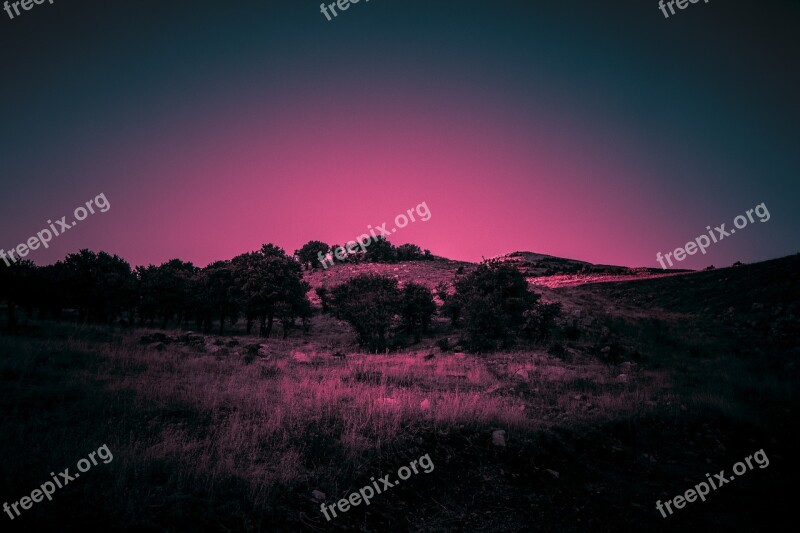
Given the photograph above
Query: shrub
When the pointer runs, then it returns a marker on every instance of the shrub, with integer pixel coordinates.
(418, 308)
(369, 303)
(496, 305)
(309, 254)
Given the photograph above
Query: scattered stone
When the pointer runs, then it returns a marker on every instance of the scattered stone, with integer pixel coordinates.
(301, 357)
(339, 355)
(425, 405)
(521, 373)
(459, 355)
(499, 437)
(318, 495)
(553, 473)
(493, 388)
(387, 402)
(252, 349)
(622, 378)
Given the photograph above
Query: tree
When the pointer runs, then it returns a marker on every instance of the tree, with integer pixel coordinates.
(265, 279)
(369, 303)
(324, 298)
(309, 254)
(417, 307)
(495, 303)
(215, 296)
(408, 252)
(16, 281)
(98, 285)
(380, 250)
(167, 291)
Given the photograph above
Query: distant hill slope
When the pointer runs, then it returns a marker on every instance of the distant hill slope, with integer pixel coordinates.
(768, 287)
(536, 265)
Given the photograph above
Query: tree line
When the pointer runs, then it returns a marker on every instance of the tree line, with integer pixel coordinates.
(491, 306)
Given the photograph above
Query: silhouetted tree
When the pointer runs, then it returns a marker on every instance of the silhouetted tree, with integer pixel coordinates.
(369, 303)
(215, 296)
(408, 252)
(308, 255)
(98, 285)
(494, 301)
(165, 291)
(418, 307)
(16, 282)
(380, 250)
(265, 279)
(324, 298)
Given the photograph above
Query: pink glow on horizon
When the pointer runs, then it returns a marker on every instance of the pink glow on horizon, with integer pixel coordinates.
(223, 184)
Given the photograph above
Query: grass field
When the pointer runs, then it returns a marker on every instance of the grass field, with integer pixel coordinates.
(649, 385)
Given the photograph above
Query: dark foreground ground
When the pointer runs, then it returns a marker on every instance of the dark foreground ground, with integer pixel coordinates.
(650, 385)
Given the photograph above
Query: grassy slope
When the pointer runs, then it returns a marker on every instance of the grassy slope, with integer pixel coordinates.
(208, 438)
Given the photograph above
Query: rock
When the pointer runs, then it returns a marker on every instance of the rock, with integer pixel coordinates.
(552, 473)
(252, 349)
(387, 402)
(492, 389)
(499, 437)
(318, 495)
(425, 405)
(301, 357)
(459, 355)
(339, 355)
(627, 366)
(622, 378)
(522, 374)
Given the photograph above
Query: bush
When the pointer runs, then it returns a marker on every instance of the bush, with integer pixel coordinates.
(496, 305)
(324, 298)
(418, 308)
(539, 320)
(369, 303)
(309, 254)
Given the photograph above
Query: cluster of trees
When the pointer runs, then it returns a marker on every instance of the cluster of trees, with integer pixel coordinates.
(261, 286)
(493, 306)
(377, 250)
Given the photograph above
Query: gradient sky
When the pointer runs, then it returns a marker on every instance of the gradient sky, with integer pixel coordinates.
(591, 130)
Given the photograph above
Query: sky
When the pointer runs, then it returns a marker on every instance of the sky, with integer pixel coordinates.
(599, 131)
